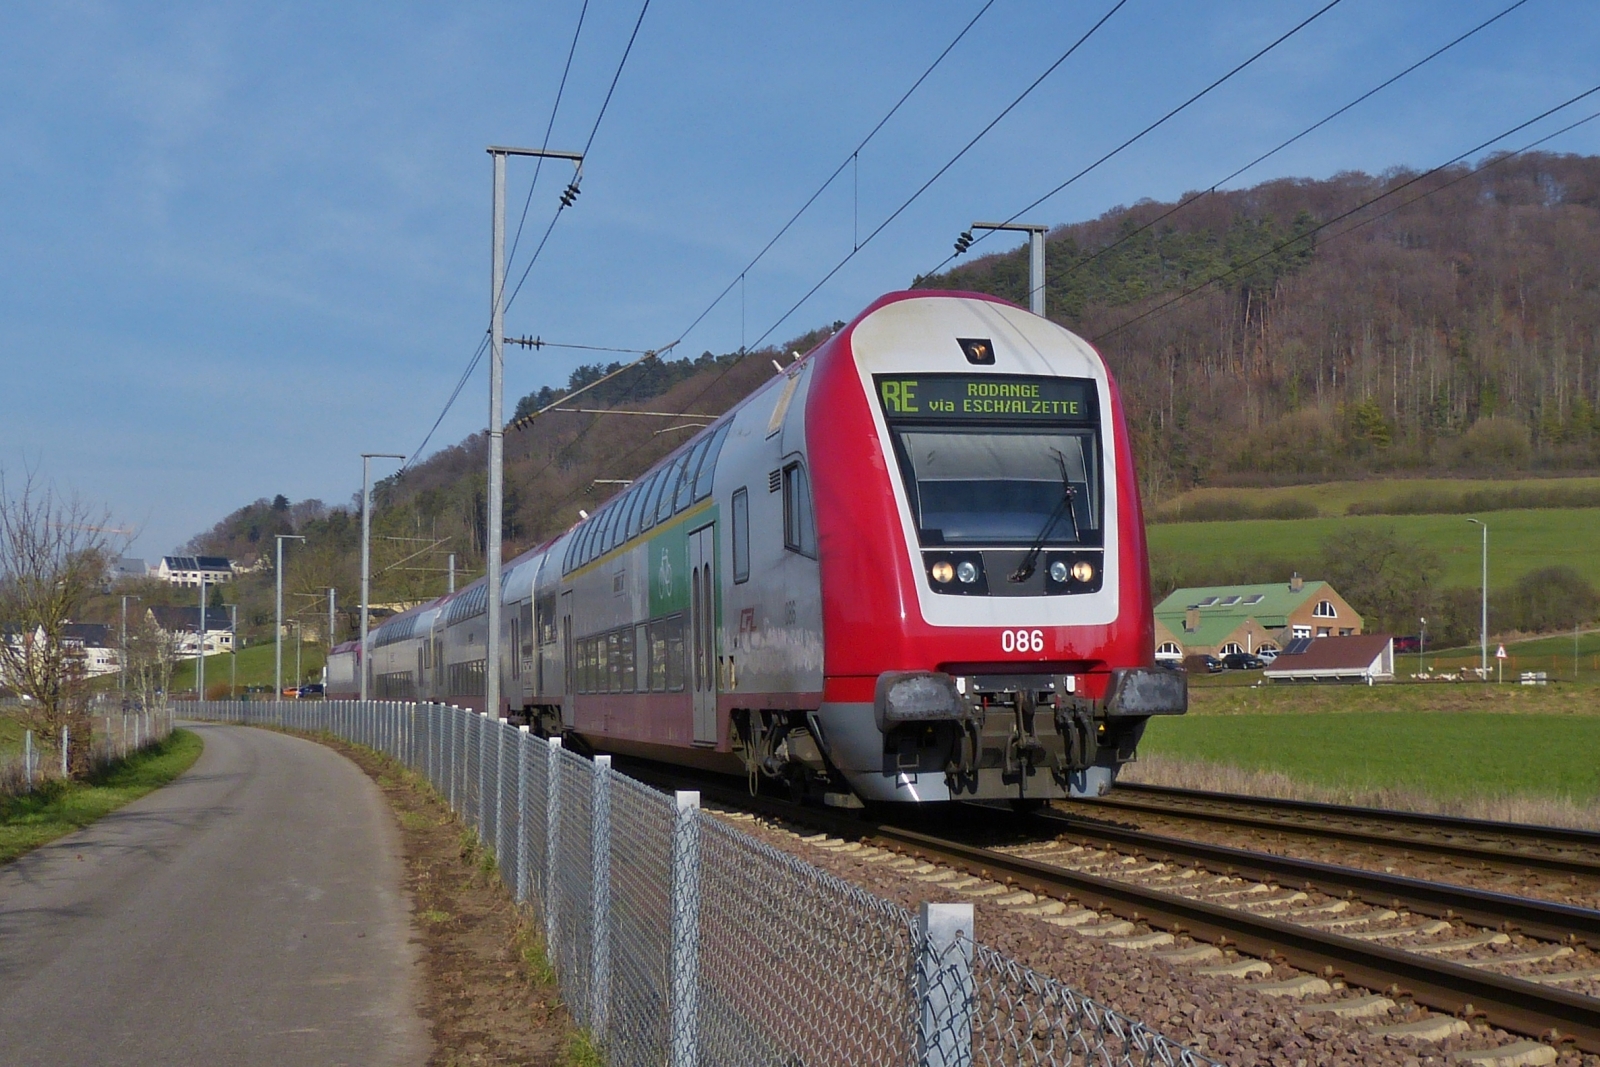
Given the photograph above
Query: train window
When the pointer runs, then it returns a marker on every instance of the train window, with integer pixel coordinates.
(708, 465)
(669, 487)
(641, 654)
(1003, 488)
(799, 530)
(586, 550)
(625, 665)
(525, 620)
(566, 560)
(741, 535)
(632, 529)
(666, 654)
(547, 619)
(647, 501)
(697, 455)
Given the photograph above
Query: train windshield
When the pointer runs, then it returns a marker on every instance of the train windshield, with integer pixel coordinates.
(1003, 487)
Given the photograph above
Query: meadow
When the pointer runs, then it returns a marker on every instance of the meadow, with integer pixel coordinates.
(1519, 541)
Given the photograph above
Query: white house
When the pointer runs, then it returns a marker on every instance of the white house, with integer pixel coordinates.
(183, 624)
(188, 570)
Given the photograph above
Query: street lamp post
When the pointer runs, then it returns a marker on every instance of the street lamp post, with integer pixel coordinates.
(233, 647)
(1483, 621)
(277, 621)
(200, 657)
(122, 682)
(366, 556)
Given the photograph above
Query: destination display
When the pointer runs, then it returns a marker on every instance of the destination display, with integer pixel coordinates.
(986, 397)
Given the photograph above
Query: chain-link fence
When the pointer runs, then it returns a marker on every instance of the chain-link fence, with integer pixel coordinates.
(680, 941)
(112, 737)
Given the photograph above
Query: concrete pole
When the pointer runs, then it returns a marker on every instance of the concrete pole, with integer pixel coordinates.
(1036, 271)
(491, 671)
(1483, 622)
(332, 606)
(495, 504)
(277, 621)
(366, 557)
(1035, 234)
(452, 587)
(233, 643)
(200, 658)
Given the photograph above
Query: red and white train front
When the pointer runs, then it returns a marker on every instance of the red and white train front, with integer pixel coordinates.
(985, 607)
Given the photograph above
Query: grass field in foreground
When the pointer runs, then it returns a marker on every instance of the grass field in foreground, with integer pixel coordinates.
(1287, 699)
(1441, 754)
(1519, 542)
(26, 822)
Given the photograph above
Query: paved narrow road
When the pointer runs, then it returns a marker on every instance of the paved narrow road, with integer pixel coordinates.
(248, 913)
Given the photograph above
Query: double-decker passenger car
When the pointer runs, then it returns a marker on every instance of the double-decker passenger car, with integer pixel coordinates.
(911, 567)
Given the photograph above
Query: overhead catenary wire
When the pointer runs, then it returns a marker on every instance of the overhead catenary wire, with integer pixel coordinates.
(1157, 124)
(1188, 200)
(950, 163)
(849, 160)
(538, 163)
(565, 202)
(1303, 237)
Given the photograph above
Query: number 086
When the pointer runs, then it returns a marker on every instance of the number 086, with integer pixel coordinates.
(1022, 640)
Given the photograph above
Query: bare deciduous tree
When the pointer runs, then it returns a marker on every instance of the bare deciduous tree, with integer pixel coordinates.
(54, 549)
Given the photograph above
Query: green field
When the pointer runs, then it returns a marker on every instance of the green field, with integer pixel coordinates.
(31, 820)
(1441, 754)
(1519, 541)
(1334, 498)
(255, 667)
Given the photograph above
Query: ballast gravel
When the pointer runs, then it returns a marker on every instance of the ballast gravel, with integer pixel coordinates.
(1278, 1015)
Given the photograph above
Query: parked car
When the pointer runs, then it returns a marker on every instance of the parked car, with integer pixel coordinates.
(1267, 654)
(1242, 661)
(1409, 643)
(311, 689)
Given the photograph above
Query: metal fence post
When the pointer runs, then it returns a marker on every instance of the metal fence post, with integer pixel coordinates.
(684, 966)
(483, 776)
(27, 758)
(519, 891)
(65, 740)
(945, 991)
(600, 902)
(552, 826)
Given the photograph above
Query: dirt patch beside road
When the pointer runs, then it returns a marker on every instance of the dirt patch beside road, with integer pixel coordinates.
(490, 995)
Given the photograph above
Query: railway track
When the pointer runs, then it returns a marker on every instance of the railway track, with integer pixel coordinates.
(1364, 934)
(1553, 849)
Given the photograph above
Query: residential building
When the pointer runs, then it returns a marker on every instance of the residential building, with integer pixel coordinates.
(93, 644)
(188, 570)
(183, 625)
(1218, 620)
(127, 568)
(1368, 658)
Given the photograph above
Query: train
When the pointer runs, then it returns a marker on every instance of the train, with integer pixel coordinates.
(910, 568)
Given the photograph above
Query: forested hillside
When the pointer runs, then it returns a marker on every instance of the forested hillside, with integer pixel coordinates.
(1256, 341)
(1454, 330)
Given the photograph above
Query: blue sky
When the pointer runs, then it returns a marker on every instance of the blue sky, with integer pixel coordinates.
(241, 244)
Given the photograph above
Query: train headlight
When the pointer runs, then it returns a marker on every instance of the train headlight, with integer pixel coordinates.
(1083, 571)
(1058, 571)
(967, 571)
(942, 571)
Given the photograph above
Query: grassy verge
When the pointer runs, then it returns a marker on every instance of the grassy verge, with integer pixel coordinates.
(1279, 698)
(491, 993)
(26, 822)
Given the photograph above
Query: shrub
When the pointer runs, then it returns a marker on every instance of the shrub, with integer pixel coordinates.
(1552, 598)
(1494, 443)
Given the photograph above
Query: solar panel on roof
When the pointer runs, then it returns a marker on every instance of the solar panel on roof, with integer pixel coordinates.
(1297, 646)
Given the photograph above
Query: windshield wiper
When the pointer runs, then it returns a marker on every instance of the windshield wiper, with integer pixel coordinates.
(1025, 569)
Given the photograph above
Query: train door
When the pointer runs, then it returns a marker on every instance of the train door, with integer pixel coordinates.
(703, 632)
(568, 712)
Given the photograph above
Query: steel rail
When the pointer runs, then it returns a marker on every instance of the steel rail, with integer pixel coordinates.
(1511, 1003)
(1588, 866)
(1543, 919)
(1531, 832)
